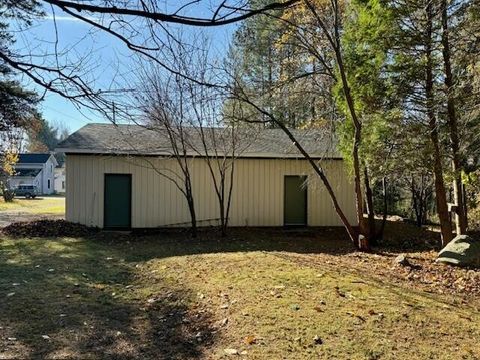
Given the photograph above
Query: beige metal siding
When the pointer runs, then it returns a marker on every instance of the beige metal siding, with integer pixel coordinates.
(156, 201)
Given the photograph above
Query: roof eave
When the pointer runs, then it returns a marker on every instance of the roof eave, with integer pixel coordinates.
(194, 154)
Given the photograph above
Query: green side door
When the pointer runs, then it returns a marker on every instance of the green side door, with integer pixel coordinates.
(295, 201)
(117, 201)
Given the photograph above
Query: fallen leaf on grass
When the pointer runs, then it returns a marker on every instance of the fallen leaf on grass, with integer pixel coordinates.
(339, 293)
(356, 315)
(231, 351)
(275, 294)
(250, 340)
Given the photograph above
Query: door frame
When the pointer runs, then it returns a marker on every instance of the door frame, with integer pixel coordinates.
(105, 202)
(305, 177)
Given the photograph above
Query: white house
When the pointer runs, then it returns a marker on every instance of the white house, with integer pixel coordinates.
(59, 182)
(35, 169)
(114, 180)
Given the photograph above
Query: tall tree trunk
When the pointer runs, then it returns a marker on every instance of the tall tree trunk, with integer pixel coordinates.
(223, 225)
(460, 218)
(355, 146)
(440, 193)
(335, 41)
(193, 219)
(381, 231)
(370, 211)
(424, 196)
(191, 205)
(416, 202)
(465, 207)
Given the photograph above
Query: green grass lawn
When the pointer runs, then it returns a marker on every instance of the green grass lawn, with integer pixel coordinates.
(41, 205)
(170, 297)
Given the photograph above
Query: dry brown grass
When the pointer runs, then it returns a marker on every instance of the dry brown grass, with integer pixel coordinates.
(267, 294)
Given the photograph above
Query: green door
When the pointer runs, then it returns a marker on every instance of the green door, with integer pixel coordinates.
(295, 204)
(117, 201)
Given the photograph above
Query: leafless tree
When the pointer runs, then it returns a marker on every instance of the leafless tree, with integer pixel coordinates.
(219, 146)
(146, 28)
(216, 139)
(193, 116)
(219, 150)
(163, 109)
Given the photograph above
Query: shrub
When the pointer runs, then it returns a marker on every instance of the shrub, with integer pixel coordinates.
(8, 195)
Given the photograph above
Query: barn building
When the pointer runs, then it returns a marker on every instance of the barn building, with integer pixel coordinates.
(122, 177)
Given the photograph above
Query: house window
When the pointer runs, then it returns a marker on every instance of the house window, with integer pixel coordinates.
(48, 183)
(63, 184)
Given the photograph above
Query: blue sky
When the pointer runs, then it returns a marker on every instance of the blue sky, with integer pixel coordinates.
(107, 56)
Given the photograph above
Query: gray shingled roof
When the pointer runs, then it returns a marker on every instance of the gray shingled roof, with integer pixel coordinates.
(137, 140)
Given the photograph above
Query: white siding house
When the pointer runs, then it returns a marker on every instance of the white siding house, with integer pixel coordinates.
(35, 169)
(96, 155)
(59, 179)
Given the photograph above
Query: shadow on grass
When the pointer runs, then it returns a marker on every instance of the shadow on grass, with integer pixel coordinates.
(80, 299)
(90, 297)
(399, 237)
(169, 243)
